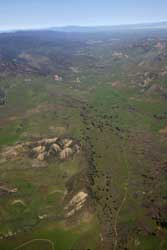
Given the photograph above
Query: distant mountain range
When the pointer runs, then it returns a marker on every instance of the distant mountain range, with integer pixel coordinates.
(102, 28)
(160, 25)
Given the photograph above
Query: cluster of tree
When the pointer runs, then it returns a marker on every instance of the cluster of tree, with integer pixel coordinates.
(2, 97)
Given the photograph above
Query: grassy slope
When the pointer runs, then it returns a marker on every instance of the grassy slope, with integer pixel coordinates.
(42, 108)
(125, 145)
(122, 142)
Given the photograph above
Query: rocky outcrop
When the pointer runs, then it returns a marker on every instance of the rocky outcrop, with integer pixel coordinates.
(43, 149)
(56, 148)
(76, 203)
(47, 141)
(39, 149)
(4, 190)
(66, 153)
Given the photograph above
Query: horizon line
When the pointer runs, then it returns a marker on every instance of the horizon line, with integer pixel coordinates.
(80, 26)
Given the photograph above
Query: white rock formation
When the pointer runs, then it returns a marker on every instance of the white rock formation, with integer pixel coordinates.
(66, 153)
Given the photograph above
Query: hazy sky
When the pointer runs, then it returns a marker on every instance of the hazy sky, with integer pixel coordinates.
(46, 13)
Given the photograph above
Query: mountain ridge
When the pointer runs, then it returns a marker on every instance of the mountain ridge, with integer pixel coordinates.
(97, 28)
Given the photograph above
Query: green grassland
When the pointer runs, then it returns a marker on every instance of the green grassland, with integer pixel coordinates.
(122, 161)
(41, 190)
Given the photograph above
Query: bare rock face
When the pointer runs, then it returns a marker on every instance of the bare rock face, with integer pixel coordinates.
(4, 190)
(76, 203)
(42, 150)
(56, 147)
(39, 149)
(12, 152)
(41, 157)
(79, 199)
(47, 141)
(67, 143)
(66, 153)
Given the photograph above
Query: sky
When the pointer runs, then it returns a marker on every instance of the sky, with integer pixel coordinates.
(25, 14)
